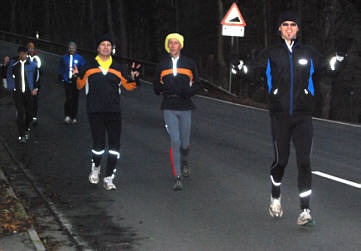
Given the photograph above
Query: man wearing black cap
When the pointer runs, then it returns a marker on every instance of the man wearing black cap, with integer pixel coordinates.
(103, 78)
(22, 79)
(289, 67)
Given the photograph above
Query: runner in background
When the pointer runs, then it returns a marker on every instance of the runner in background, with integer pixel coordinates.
(33, 56)
(65, 76)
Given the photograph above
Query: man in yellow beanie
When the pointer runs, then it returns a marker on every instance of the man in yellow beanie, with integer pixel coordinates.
(177, 80)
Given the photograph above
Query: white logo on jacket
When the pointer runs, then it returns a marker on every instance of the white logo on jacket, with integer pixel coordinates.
(303, 61)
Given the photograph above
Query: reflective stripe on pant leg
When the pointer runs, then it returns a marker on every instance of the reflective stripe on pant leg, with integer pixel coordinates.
(281, 135)
(113, 156)
(97, 156)
(171, 118)
(114, 127)
(96, 122)
(302, 139)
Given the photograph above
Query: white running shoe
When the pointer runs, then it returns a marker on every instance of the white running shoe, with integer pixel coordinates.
(74, 121)
(108, 183)
(275, 208)
(67, 120)
(94, 174)
(305, 218)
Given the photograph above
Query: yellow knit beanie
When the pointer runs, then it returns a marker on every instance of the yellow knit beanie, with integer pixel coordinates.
(177, 36)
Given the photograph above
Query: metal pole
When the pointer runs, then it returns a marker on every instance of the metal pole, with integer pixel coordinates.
(351, 96)
(230, 69)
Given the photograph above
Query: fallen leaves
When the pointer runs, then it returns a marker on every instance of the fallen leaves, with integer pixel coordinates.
(12, 218)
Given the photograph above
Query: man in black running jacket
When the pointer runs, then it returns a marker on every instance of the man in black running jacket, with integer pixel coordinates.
(289, 67)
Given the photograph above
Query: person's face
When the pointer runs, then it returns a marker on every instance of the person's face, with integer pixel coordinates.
(105, 49)
(71, 50)
(174, 47)
(22, 55)
(288, 30)
(31, 51)
(6, 60)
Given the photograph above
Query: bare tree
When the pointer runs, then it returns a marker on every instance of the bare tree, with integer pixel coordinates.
(13, 15)
(326, 91)
(91, 17)
(122, 36)
(47, 21)
(220, 51)
(265, 22)
(110, 19)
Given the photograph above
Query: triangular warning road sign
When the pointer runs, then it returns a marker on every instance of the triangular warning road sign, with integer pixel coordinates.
(233, 17)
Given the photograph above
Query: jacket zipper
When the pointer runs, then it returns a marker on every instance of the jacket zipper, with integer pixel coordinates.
(291, 89)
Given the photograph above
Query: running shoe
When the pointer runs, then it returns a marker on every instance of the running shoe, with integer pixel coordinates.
(22, 140)
(67, 120)
(94, 174)
(305, 218)
(275, 208)
(108, 183)
(178, 186)
(186, 171)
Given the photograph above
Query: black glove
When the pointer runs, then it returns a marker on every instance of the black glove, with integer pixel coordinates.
(170, 91)
(60, 77)
(139, 69)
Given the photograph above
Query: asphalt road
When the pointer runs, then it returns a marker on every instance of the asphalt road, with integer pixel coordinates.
(224, 203)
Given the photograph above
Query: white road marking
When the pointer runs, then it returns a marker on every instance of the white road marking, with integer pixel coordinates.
(331, 177)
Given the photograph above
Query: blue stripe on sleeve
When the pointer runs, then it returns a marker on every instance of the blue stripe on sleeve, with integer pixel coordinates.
(269, 77)
(310, 81)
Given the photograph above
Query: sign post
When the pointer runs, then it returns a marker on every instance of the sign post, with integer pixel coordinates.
(233, 25)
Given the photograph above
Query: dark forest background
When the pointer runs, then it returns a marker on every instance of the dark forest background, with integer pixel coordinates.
(140, 26)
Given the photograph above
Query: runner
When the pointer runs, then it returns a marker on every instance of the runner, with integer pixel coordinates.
(65, 75)
(290, 67)
(22, 79)
(33, 56)
(103, 78)
(177, 80)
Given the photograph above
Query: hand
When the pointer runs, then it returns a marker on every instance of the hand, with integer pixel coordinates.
(236, 66)
(167, 90)
(34, 92)
(75, 70)
(135, 71)
(60, 77)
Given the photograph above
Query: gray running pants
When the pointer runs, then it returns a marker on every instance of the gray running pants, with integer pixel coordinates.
(178, 125)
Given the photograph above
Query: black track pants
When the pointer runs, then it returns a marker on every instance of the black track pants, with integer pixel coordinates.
(24, 109)
(71, 99)
(299, 129)
(101, 125)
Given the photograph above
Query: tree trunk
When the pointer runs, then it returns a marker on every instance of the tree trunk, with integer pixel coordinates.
(265, 23)
(123, 50)
(91, 16)
(47, 20)
(299, 10)
(110, 20)
(326, 87)
(177, 15)
(13, 16)
(221, 63)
